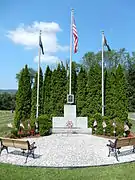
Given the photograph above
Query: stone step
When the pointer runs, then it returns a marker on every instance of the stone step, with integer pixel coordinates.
(72, 131)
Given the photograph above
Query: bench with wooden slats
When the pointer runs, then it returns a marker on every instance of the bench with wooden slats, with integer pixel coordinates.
(119, 143)
(17, 143)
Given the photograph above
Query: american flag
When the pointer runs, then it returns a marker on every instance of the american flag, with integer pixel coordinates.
(75, 36)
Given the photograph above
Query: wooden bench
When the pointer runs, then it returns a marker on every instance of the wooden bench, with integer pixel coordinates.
(119, 143)
(17, 143)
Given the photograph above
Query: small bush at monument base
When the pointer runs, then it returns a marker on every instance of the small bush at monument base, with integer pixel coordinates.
(14, 133)
(44, 125)
(109, 130)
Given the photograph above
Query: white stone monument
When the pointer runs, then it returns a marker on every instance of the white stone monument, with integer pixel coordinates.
(70, 122)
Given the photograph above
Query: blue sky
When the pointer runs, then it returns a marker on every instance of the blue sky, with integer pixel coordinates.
(20, 22)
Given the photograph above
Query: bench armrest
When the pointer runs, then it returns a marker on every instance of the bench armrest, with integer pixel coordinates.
(112, 144)
(32, 146)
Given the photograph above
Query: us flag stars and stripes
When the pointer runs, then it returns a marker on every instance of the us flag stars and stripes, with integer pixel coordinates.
(75, 36)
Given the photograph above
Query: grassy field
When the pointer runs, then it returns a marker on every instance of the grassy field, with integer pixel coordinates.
(5, 118)
(124, 172)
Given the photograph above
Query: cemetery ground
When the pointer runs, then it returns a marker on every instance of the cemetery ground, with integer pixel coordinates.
(6, 117)
(11, 172)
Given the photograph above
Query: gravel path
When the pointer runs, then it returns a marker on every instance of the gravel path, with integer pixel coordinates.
(72, 150)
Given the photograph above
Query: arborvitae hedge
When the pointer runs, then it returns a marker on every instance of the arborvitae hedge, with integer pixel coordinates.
(93, 99)
(131, 88)
(47, 90)
(87, 90)
(58, 90)
(81, 92)
(121, 105)
(23, 98)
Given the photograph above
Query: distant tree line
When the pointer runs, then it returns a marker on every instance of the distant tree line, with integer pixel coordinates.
(7, 101)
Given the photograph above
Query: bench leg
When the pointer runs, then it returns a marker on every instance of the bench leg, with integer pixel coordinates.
(118, 151)
(2, 148)
(134, 148)
(23, 152)
(116, 155)
(33, 155)
(27, 156)
(110, 150)
(30, 152)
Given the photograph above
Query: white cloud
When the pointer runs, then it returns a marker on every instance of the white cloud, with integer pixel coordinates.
(47, 58)
(28, 36)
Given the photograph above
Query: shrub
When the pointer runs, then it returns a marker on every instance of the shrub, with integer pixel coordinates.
(98, 118)
(44, 125)
(14, 133)
(90, 122)
(32, 123)
(109, 125)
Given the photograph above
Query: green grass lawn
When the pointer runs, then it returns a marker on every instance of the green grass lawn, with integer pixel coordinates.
(124, 172)
(5, 118)
(133, 125)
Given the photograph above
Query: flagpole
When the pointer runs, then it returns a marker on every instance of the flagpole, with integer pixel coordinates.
(39, 56)
(102, 73)
(71, 42)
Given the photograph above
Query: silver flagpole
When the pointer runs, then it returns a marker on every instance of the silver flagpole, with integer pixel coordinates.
(71, 42)
(102, 73)
(39, 54)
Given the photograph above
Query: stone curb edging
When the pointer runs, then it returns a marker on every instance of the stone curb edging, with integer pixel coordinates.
(70, 167)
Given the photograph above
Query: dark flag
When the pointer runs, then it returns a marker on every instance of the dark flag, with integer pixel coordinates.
(106, 44)
(40, 44)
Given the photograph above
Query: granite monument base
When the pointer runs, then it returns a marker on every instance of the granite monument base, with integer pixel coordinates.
(70, 123)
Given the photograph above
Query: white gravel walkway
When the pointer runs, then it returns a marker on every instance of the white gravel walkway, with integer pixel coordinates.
(73, 150)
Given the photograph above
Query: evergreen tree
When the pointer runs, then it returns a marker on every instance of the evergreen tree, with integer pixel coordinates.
(59, 90)
(47, 90)
(53, 97)
(116, 94)
(32, 75)
(34, 96)
(131, 88)
(93, 100)
(63, 87)
(23, 98)
(81, 92)
(121, 95)
(110, 93)
(74, 81)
